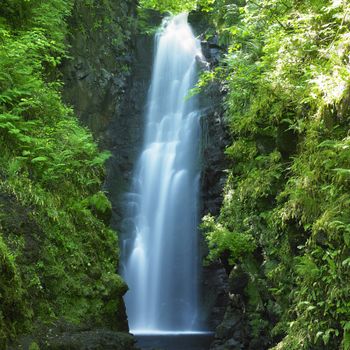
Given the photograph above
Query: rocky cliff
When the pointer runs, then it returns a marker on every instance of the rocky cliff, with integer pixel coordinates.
(107, 88)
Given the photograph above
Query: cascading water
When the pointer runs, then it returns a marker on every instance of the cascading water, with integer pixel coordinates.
(160, 251)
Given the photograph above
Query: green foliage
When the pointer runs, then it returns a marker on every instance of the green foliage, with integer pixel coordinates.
(287, 76)
(177, 6)
(34, 346)
(11, 295)
(220, 241)
(58, 258)
(149, 10)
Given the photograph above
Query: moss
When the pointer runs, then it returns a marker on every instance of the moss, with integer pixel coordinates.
(58, 257)
(287, 77)
(34, 346)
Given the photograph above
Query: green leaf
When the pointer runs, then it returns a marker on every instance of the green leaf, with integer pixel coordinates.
(39, 159)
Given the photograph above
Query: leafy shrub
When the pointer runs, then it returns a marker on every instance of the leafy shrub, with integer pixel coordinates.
(58, 256)
(287, 77)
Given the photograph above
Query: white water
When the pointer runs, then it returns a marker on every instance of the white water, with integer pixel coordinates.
(160, 253)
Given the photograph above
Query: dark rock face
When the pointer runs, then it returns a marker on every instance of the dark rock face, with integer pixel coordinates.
(95, 77)
(214, 140)
(214, 295)
(232, 332)
(90, 340)
(126, 128)
(125, 132)
(75, 339)
(238, 280)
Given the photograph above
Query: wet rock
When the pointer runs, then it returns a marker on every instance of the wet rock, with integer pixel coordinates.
(238, 280)
(90, 340)
(224, 330)
(232, 331)
(75, 339)
(214, 295)
(214, 163)
(96, 75)
(125, 131)
(212, 50)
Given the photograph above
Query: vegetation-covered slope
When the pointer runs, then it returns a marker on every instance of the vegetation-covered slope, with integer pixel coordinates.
(287, 74)
(285, 216)
(58, 258)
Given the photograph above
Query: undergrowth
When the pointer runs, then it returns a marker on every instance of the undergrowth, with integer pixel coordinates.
(58, 258)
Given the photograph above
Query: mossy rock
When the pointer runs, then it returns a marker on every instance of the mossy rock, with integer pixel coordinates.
(90, 340)
(238, 280)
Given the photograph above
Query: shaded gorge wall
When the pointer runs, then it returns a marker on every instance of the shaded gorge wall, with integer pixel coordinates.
(98, 79)
(107, 86)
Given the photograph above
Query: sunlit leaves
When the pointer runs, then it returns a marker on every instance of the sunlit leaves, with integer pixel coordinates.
(220, 241)
(177, 6)
(50, 177)
(287, 75)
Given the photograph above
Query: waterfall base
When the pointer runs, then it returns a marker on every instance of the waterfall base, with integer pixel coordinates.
(167, 333)
(176, 341)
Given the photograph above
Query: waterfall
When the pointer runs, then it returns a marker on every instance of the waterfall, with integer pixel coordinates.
(160, 243)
